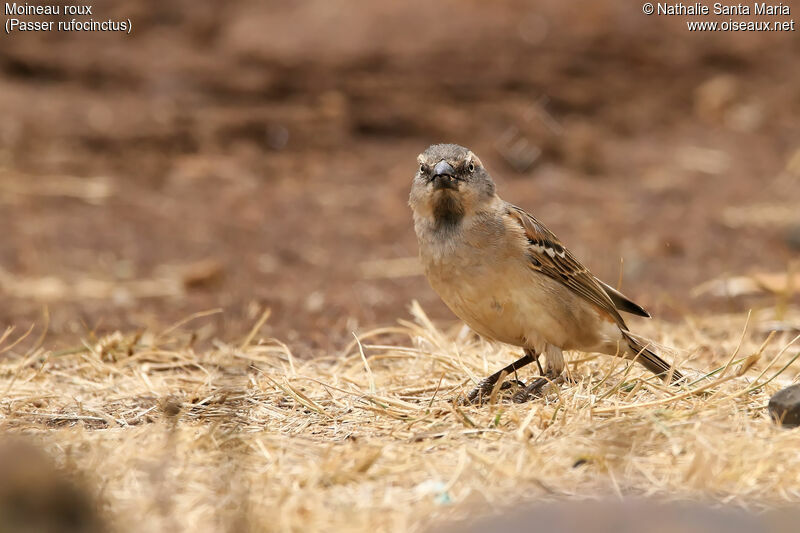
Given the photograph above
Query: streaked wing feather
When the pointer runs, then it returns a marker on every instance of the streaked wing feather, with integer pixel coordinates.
(550, 257)
(622, 302)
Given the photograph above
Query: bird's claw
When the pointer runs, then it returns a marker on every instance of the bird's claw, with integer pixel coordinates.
(485, 388)
(512, 383)
(534, 388)
(477, 394)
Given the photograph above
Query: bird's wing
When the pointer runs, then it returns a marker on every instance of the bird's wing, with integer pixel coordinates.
(547, 255)
(622, 302)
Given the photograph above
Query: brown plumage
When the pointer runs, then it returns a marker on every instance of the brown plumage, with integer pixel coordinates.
(508, 276)
(558, 263)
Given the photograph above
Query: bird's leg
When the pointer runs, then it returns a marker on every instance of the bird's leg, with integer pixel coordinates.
(486, 385)
(541, 370)
(554, 374)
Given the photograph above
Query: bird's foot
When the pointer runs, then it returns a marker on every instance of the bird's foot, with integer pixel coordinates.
(484, 390)
(512, 383)
(535, 387)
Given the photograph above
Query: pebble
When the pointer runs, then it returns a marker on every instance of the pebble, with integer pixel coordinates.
(784, 406)
(793, 237)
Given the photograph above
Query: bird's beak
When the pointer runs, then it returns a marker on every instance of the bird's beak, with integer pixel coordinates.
(444, 176)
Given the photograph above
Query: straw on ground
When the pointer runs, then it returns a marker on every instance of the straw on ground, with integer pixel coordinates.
(246, 436)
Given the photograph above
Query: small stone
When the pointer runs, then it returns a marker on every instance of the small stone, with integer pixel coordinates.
(793, 237)
(784, 406)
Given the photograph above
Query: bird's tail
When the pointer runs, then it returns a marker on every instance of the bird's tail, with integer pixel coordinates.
(652, 362)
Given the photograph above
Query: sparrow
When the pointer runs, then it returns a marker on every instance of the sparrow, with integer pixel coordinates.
(510, 278)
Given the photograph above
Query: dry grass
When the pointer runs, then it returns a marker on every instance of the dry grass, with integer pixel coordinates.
(245, 436)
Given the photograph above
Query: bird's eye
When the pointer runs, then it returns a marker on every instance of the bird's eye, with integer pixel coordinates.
(471, 167)
(422, 169)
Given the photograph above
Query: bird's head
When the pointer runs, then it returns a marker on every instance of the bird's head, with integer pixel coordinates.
(450, 184)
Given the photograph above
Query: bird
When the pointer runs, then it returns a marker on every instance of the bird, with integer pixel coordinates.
(511, 279)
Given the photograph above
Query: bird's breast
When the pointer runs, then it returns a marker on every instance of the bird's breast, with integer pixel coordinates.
(501, 298)
(485, 294)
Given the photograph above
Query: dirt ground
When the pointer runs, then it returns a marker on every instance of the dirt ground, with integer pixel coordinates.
(259, 155)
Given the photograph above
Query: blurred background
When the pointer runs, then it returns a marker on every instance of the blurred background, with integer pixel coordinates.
(258, 154)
